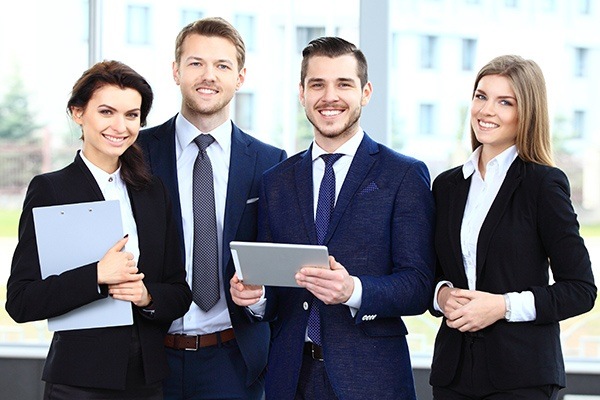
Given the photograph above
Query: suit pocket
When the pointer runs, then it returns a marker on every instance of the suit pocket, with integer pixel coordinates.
(371, 187)
(385, 327)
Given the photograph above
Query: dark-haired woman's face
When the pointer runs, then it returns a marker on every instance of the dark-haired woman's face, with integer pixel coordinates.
(110, 124)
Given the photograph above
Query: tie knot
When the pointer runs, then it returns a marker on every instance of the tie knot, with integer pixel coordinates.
(331, 158)
(203, 141)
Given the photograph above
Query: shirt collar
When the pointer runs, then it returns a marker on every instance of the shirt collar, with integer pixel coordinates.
(504, 161)
(102, 177)
(349, 148)
(186, 133)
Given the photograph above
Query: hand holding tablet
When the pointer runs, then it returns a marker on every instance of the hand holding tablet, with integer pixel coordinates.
(275, 264)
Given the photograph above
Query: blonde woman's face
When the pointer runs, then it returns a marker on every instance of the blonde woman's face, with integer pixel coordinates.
(494, 116)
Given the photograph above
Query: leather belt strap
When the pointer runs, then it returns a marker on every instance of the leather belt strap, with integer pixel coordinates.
(194, 342)
(313, 350)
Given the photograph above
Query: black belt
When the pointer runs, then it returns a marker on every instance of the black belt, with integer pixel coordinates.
(313, 350)
(194, 342)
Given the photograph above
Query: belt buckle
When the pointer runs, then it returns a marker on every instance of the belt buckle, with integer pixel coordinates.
(313, 355)
(197, 344)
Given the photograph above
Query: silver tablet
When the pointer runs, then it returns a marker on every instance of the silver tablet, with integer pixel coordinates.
(275, 264)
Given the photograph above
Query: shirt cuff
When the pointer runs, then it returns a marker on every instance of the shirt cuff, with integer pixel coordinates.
(355, 300)
(258, 309)
(522, 307)
(436, 305)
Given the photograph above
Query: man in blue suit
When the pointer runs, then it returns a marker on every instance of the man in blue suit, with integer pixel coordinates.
(379, 235)
(229, 349)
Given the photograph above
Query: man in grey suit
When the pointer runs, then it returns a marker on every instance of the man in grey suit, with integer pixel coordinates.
(341, 335)
(229, 349)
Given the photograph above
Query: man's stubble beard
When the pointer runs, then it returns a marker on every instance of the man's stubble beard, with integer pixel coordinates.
(205, 111)
(348, 128)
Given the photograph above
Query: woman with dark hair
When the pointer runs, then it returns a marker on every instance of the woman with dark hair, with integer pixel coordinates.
(110, 102)
(504, 220)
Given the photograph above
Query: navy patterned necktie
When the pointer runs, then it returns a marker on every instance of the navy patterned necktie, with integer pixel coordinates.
(325, 206)
(205, 274)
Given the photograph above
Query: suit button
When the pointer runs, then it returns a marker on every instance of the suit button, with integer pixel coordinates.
(305, 305)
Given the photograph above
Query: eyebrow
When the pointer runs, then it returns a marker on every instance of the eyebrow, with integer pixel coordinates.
(114, 109)
(500, 97)
(219, 61)
(311, 80)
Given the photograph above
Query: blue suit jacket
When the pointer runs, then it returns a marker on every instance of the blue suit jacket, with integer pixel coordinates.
(249, 159)
(381, 231)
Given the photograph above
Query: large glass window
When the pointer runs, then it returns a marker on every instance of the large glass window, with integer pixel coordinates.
(426, 119)
(138, 25)
(469, 47)
(245, 24)
(305, 34)
(579, 124)
(585, 6)
(245, 111)
(429, 52)
(581, 61)
(190, 15)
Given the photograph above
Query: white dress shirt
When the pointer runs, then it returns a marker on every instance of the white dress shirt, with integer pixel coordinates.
(196, 321)
(482, 193)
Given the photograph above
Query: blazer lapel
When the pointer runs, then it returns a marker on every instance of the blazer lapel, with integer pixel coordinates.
(162, 155)
(89, 178)
(510, 184)
(241, 172)
(363, 160)
(304, 193)
(457, 201)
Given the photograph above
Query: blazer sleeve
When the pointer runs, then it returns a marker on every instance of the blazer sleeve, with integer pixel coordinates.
(264, 235)
(31, 298)
(408, 289)
(171, 295)
(573, 291)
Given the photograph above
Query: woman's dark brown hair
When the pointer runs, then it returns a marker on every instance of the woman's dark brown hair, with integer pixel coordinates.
(134, 171)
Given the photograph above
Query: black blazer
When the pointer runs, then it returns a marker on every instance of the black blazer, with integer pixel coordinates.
(98, 357)
(530, 226)
(249, 159)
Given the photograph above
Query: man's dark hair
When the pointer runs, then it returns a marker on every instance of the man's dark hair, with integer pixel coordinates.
(331, 46)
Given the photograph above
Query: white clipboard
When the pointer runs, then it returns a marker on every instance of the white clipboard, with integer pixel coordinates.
(275, 264)
(69, 236)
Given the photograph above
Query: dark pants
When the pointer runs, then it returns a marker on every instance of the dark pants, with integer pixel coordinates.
(472, 380)
(65, 392)
(313, 382)
(214, 372)
(136, 387)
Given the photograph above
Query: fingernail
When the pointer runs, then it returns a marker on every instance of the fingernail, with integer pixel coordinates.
(125, 236)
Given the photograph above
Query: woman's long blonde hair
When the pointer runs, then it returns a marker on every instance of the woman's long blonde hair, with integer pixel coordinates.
(529, 85)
